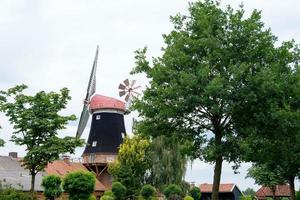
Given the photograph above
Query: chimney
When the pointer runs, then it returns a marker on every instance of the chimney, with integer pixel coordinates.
(13, 155)
(66, 159)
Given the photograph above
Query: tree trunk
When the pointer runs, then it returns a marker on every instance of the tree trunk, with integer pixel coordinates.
(273, 188)
(32, 185)
(218, 167)
(292, 188)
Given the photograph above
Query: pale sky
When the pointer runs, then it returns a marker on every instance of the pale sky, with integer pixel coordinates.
(51, 44)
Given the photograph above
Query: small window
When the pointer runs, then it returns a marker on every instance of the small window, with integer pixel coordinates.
(94, 143)
(98, 117)
(123, 135)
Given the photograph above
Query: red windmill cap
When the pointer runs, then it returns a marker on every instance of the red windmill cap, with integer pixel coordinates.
(103, 102)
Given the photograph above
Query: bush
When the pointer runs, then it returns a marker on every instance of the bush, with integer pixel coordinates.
(298, 194)
(119, 190)
(246, 197)
(108, 193)
(92, 197)
(172, 191)
(187, 197)
(147, 192)
(52, 185)
(79, 184)
(107, 197)
(195, 193)
(12, 194)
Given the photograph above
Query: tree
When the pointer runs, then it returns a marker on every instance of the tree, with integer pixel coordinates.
(52, 185)
(147, 192)
(198, 83)
(195, 193)
(132, 164)
(36, 121)
(119, 190)
(268, 119)
(188, 198)
(168, 162)
(266, 177)
(249, 191)
(79, 184)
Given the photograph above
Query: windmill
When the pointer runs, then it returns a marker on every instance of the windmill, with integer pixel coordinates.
(128, 89)
(107, 129)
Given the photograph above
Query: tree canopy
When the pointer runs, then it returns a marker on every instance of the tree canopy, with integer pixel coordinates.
(36, 122)
(206, 77)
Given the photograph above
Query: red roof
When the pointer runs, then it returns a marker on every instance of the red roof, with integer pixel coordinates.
(207, 188)
(280, 191)
(61, 168)
(103, 102)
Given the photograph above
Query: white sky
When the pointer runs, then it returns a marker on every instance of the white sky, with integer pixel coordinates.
(51, 44)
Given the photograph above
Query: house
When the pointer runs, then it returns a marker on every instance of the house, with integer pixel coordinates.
(280, 192)
(227, 191)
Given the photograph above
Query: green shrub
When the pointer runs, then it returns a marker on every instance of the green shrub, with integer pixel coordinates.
(119, 190)
(195, 193)
(147, 192)
(187, 197)
(172, 191)
(52, 185)
(92, 197)
(12, 194)
(108, 193)
(246, 197)
(79, 184)
(107, 197)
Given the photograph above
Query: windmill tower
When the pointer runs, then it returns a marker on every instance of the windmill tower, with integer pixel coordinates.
(107, 127)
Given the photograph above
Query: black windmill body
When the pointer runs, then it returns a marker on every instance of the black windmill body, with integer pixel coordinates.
(107, 127)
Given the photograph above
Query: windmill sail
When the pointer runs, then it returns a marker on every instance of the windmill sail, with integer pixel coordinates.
(90, 91)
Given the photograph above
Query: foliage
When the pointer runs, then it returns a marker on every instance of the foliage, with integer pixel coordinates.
(119, 190)
(52, 186)
(195, 193)
(36, 121)
(249, 191)
(12, 194)
(264, 176)
(147, 192)
(168, 163)
(107, 197)
(188, 198)
(79, 184)
(108, 193)
(246, 197)
(92, 197)
(171, 191)
(131, 165)
(298, 194)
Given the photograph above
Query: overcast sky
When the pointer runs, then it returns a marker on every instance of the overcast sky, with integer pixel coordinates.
(51, 44)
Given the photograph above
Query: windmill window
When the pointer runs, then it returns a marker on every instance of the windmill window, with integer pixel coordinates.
(94, 143)
(123, 135)
(98, 117)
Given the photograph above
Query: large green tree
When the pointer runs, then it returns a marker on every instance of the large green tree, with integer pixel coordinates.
(269, 115)
(198, 83)
(36, 122)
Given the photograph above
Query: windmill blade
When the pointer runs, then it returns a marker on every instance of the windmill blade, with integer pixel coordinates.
(126, 82)
(132, 83)
(92, 82)
(84, 117)
(136, 87)
(122, 93)
(127, 97)
(137, 93)
(122, 87)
